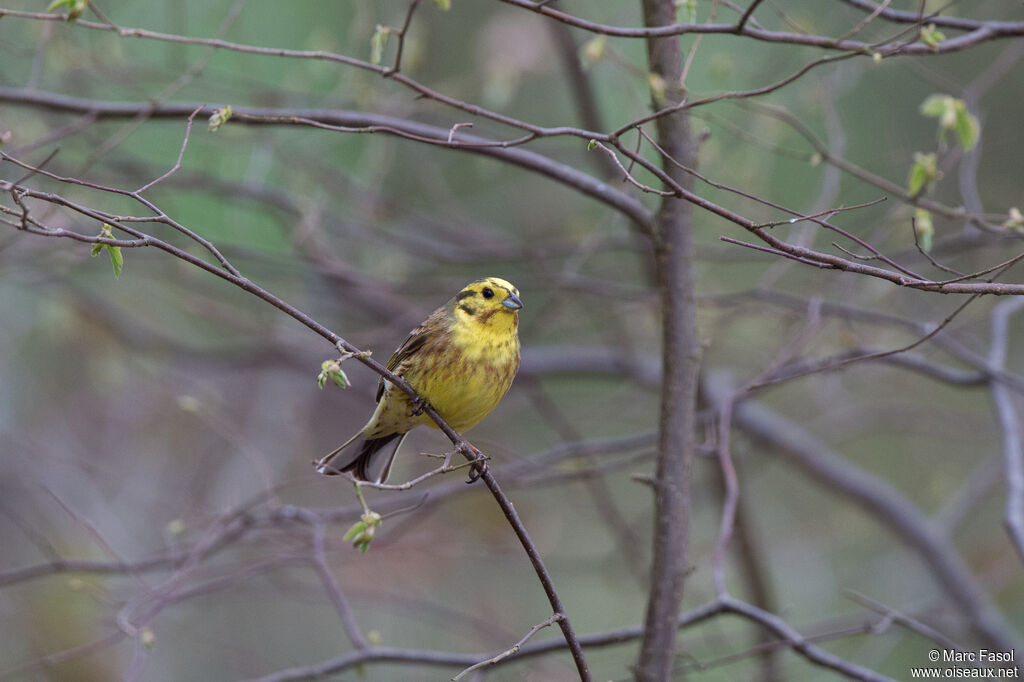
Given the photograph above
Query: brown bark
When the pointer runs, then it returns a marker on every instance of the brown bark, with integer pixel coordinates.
(680, 362)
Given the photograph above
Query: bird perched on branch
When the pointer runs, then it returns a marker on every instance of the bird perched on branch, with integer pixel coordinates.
(461, 361)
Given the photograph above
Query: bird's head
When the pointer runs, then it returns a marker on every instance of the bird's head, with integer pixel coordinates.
(483, 299)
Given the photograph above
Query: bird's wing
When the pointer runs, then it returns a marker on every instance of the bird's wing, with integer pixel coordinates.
(413, 343)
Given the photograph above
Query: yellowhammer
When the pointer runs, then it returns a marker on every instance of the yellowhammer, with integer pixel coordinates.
(461, 361)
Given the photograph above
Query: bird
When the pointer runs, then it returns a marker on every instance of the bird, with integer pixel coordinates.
(461, 361)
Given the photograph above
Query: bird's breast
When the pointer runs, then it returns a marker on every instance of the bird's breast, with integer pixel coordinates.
(465, 384)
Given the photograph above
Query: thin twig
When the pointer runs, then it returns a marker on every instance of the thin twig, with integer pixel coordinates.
(864, 22)
(181, 154)
(794, 444)
(451, 133)
(746, 15)
(626, 174)
(511, 651)
(401, 33)
(903, 619)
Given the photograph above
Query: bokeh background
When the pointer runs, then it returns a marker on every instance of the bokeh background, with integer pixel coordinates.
(141, 415)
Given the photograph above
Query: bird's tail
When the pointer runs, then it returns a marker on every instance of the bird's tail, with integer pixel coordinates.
(369, 459)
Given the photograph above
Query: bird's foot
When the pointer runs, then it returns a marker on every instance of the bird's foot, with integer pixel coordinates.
(418, 406)
(479, 465)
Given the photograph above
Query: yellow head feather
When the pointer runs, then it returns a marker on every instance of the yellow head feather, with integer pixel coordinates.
(484, 316)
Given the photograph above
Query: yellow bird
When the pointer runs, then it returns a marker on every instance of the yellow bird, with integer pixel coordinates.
(461, 361)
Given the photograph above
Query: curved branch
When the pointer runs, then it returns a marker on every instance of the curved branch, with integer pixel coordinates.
(232, 276)
(525, 159)
(566, 175)
(904, 17)
(979, 32)
(787, 634)
(882, 501)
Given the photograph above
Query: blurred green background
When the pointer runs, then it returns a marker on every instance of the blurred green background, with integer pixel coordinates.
(135, 413)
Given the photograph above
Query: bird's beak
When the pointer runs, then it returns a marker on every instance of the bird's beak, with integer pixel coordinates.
(512, 301)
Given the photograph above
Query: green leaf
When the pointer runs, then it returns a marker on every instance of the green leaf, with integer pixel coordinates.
(75, 7)
(592, 145)
(378, 42)
(967, 127)
(924, 229)
(686, 11)
(935, 105)
(942, 107)
(331, 369)
(923, 173)
(219, 117)
(362, 531)
(443, 5)
(340, 379)
(932, 37)
(357, 528)
(917, 179)
(116, 257)
(953, 116)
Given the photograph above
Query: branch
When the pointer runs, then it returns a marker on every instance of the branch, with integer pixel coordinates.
(904, 17)
(525, 159)
(980, 32)
(879, 499)
(790, 637)
(887, 186)
(746, 15)
(508, 652)
(232, 276)
(389, 125)
(1009, 424)
(945, 341)
(798, 643)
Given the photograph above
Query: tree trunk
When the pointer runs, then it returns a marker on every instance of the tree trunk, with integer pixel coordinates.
(680, 361)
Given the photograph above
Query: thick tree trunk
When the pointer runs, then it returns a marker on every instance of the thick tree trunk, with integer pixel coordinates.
(680, 360)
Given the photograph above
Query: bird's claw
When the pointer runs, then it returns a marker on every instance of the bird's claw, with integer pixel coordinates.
(418, 406)
(478, 468)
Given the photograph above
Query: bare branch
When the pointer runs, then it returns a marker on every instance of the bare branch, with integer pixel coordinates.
(903, 619)
(799, 644)
(181, 155)
(231, 275)
(353, 121)
(1009, 424)
(746, 15)
(511, 651)
(980, 31)
(879, 499)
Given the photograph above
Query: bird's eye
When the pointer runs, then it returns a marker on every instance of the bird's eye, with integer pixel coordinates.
(488, 293)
